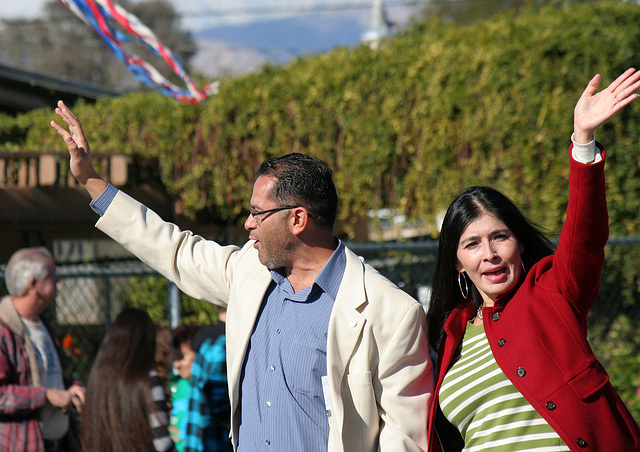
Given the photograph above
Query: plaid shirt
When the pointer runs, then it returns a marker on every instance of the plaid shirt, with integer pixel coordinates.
(19, 398)
(209, 408)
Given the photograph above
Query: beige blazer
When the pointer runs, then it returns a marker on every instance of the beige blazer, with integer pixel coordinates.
(379, 372)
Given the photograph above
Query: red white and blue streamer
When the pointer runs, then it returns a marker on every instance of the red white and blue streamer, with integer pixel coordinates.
(97, 13)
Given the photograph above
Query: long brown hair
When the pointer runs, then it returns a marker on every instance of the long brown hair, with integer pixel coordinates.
(465, 208)
(118, 401)
(162, 361)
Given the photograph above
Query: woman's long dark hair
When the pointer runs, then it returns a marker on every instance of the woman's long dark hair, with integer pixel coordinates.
(465, 208)
(118, 397)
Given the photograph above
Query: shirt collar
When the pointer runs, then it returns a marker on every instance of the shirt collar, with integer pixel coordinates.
(329, 278)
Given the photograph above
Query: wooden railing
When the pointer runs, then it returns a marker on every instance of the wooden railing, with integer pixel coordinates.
(36, 169)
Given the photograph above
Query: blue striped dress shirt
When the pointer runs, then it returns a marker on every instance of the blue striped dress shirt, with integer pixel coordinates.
(282, 403)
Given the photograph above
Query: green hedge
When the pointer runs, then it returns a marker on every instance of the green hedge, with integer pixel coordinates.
(434, 110)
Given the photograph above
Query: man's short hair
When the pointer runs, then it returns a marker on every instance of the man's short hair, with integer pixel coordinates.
(24, 264)
(303, 181)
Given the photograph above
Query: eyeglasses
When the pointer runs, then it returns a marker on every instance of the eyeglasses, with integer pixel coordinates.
(257, 216)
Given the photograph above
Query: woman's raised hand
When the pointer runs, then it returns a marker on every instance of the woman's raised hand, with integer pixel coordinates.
(594, 109)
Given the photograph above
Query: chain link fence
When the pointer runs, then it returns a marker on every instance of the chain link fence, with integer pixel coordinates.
(90, 295)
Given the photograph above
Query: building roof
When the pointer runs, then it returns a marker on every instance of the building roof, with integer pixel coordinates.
(22, 90)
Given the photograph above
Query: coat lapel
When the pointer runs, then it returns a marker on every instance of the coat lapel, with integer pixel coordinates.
(346, 322)
(345, 330)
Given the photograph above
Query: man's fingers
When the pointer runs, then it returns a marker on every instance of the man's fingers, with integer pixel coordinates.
(77, 392)
(58, 129)
(68, 138)
(77, 403)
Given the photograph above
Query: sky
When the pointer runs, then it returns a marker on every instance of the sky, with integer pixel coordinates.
(20, 9)
(200, 13)
(217, 56)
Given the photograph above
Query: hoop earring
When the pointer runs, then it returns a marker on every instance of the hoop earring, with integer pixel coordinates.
(465, 292)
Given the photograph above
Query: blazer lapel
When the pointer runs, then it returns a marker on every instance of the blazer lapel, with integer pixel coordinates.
(346, 322)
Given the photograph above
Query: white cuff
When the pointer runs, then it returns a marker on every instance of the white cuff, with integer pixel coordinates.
(586, 153)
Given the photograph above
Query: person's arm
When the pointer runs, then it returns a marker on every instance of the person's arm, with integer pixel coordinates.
(60, 398)
(580, 255)
(159, 418)
(197, 418)
(201, 268)
(15, 399)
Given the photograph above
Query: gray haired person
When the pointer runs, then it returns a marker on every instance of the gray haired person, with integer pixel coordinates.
(35, 399)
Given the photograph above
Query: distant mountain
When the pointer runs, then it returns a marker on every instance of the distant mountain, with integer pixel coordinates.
(287, 38)
(232, 50)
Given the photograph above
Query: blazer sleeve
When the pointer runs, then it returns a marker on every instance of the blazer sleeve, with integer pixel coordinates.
(201, 268)
(579, 258)
(406, 379)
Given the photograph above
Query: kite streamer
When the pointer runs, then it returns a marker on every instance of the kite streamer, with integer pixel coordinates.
(96, 13)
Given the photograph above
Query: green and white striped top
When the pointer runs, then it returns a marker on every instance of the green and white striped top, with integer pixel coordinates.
(487, 409)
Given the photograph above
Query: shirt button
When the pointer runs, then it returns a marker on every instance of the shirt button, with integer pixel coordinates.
(268, 403)
(278, 331)
(272, 368)
(495, 316)
(551, 406)
(501, 342)
(353, 323)
(581, 443)
(521, 372)
(268, 442)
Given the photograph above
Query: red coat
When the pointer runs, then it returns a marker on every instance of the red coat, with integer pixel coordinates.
(538, 332)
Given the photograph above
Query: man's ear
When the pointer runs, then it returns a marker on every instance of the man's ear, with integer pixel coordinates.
(32, 285)
(299, 220)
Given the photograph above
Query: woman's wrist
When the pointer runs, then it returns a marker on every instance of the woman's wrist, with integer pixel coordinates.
(582, 137)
